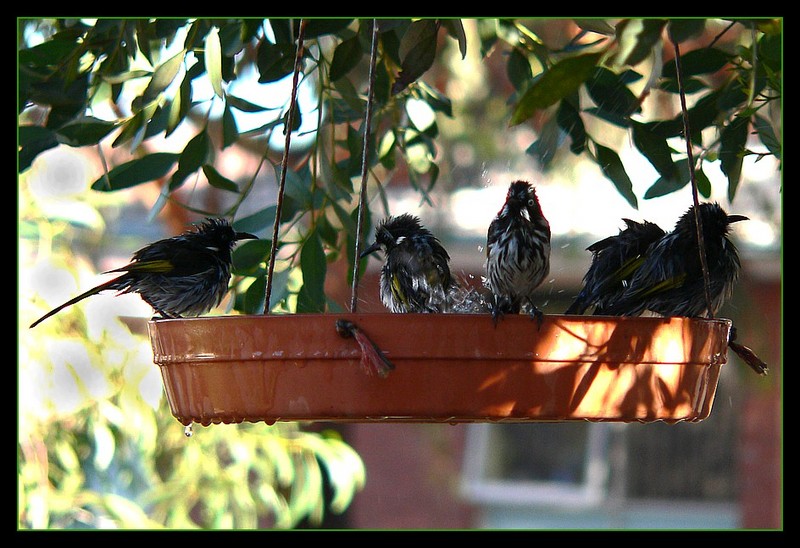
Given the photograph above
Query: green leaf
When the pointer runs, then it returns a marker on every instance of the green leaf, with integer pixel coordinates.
(194, 155)
(569, 119)
(346, 57)
(612, 168)
(698, 61)
(313, 264)
(731, 152)
(218, 181)
(655, 148)
(274, 61)
(518, 69)
(260, 220)
(245, 106)
(33, 140)
(248, 255)
(213, 60)
(142, 170)
(254, 296)
(456, 30)
(417, 52)
(767, 135)
(636, 38)
(163, 76)
(85, 131)
(666, 184)
(703, 183)
(681, 30)
(563, 79)
(611, 95)
(230, 132)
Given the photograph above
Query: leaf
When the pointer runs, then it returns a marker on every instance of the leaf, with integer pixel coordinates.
(274, 62)
(667, 184)
(194, 155)
(612, 168)
(33, 140)
(260, 220)
(569, 119)
(142, 170)
(245, 106)
(230, 132)
(255, 295)
(248, 255)
(611, 95)
(654, 148)
(313, 264)
(731, 152)
(85, 131)
(702, 182)
(417, 52)
(767, 135)
(636, 38)
(698, 61)
(561, 80)
(456, 30)
(681, 30)
(163, 76)
(346, 57)
(518, 69)
(218, 181)
(213, 60)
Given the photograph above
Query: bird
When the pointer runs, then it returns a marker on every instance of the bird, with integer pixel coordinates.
(614, 260)
(670, 282)
(517, 252)
(185, 275)
(415, 276)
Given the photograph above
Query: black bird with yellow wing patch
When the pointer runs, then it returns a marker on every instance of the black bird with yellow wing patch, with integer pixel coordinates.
(186, 275)
(415, 276)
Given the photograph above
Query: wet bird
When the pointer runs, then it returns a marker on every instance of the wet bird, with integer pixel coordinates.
(186, 275)
(517, 252)
(415, 276)
(670, 279)
(614, 261)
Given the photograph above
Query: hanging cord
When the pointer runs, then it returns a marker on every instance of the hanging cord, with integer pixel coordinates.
(287, 128)
(690, 158)
(362, 200)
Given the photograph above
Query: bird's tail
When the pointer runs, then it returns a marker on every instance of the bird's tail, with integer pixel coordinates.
(111, 284)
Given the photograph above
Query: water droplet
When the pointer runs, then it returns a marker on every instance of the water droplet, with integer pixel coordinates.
(187, 431)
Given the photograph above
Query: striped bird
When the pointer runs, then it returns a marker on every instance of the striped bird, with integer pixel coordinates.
(517, 252)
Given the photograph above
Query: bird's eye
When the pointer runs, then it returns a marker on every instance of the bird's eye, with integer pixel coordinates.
(530, 202)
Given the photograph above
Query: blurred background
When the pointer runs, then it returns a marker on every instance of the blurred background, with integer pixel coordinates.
(98, 447)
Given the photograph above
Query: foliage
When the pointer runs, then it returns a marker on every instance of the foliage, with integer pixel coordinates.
(98, 446)
(596, 74)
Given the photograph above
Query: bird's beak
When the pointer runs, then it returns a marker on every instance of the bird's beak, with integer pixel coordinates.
(246, 236)
(371, 249)
(737, 218)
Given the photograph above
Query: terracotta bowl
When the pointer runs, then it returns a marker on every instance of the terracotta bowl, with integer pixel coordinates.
(447, 368)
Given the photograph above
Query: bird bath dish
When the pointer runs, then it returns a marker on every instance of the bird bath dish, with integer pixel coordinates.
(447, 368)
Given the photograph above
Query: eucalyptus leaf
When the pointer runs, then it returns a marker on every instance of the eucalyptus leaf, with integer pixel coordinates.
(213, 61)
(346, 57)
(731, 153)
(141, 170)
(613, 169)
(561, 80)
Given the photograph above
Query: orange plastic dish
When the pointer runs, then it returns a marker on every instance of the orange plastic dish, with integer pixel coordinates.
(448, 368)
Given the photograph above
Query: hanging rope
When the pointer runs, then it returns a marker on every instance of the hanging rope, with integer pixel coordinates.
(362, 200)
(690, 158)
(287, 129)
